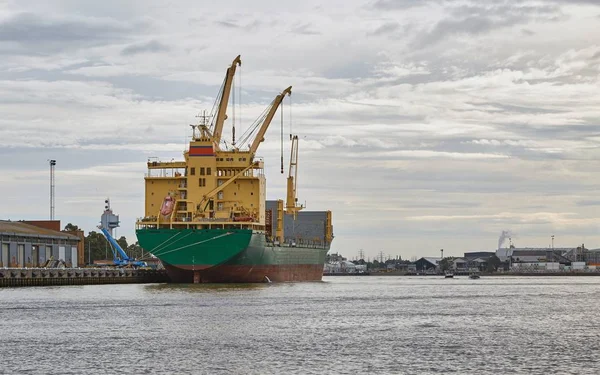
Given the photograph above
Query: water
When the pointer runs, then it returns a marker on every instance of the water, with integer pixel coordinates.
(344, 325)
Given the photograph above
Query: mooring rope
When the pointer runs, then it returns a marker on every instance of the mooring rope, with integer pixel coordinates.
(165, 241)
(196, 243)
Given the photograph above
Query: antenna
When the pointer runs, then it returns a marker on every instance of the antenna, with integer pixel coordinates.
(52, 165)
(203, 118)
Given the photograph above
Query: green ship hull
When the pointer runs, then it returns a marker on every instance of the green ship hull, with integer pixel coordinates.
(230, 255)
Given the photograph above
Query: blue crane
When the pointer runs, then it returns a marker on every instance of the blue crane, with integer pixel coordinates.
(122, 259)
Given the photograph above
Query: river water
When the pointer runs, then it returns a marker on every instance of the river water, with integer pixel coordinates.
(343, 325)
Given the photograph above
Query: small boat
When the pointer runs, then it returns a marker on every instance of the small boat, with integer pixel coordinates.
(448, 274)
(473, 276)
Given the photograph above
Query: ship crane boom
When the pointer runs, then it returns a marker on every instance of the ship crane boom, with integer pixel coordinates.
(221, 115)
(291, 206)
(260, 136)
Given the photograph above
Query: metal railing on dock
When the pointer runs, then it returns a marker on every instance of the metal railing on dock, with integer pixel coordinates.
(14, 277)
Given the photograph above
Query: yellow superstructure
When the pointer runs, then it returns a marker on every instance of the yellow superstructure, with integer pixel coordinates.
(210, 186)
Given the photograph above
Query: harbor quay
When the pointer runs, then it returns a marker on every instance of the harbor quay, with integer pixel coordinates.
(17, 277)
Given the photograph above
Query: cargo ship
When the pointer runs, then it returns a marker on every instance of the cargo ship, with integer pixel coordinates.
(207, 218)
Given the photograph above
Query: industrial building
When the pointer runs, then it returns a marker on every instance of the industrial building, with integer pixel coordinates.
(30, 244)
(428, 264)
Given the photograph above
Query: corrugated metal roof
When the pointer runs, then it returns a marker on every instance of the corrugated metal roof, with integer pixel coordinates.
(433, 260)
(19, 228)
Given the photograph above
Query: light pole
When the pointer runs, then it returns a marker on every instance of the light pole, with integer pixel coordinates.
(552, 241)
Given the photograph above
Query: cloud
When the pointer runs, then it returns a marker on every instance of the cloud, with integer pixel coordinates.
(228, 24)
(50, 31)
(386, 28)
(305, 29)
(396, 4)
(527, 32)
(481, 19)
(152, 46)
(474, 116)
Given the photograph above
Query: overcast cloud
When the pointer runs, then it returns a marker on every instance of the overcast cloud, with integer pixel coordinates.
(423, 125)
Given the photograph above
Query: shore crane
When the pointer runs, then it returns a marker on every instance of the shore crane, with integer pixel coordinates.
(221, 115)
(122, 259)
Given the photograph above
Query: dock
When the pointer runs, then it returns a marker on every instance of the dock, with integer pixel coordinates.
(17, 277)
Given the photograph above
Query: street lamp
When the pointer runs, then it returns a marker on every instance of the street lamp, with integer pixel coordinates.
(552, 241)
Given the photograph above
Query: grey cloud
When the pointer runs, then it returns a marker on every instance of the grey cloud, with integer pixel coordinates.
(151, 46)
(471, 25)
(228, 24)
(397, 4)
(479, 19)
(527, 32)
(502, 11)
(386, 28)
(30, 28)
(589, 202)
(233, 24)
(305, 29)
(350, 69)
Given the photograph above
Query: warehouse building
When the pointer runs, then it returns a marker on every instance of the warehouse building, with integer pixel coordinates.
(27, 245)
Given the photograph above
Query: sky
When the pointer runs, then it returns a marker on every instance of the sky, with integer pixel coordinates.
(423, 124)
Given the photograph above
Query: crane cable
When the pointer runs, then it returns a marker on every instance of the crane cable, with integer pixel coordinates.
(240, 100)
(233, 110)
(281, 137)
(255, 125)
(217, 99)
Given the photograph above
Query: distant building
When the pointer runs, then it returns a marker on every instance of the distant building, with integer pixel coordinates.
(427, 263)
(343, 266)
(479, 254)
(458, 264)
(479, 263)
(26, 245)
(534, 255)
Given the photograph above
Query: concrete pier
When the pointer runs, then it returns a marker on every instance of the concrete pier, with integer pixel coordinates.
(14, 277)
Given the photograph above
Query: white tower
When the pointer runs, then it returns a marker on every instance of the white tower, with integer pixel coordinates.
(109, 220)
(52, 164)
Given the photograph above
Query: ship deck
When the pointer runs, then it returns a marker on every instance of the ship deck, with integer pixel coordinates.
(154, 224)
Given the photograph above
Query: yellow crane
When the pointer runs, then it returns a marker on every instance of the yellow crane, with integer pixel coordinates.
(260, 136)
(291, 204)
(221, 115)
